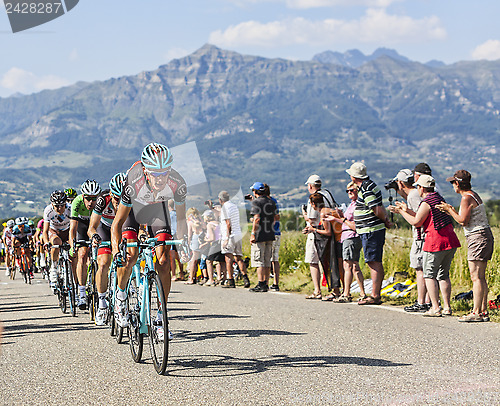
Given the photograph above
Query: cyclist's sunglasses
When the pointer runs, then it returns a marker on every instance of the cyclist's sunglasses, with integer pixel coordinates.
(350, 190)
(90, 198)
(58, 206)
(158, 174)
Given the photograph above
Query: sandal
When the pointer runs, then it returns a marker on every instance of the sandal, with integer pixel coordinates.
(362, 298)
(314, 296)
(330, 298)
(370, 300)
(343, 299)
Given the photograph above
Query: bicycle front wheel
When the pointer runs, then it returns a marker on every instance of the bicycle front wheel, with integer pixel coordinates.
(92, 291)
(158, 325)
(71, 289)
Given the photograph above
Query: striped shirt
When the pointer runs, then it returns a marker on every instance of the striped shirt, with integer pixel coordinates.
(229, 211)
(369, 197)
(439, 218)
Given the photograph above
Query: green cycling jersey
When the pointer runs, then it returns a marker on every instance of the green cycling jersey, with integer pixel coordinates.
(79, 212)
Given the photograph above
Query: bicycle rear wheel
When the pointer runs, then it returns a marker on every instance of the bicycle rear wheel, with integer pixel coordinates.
(135, 338)
(61, 295)
(157, 322)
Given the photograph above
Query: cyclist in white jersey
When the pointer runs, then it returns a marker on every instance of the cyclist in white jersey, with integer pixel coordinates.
(56, 218)
(7, 240)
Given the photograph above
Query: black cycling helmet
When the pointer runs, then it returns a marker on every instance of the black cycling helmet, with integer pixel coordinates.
(58, 197)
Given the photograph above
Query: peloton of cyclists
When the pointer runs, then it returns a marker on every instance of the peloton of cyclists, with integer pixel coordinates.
(21, 235)
(99, 232)
(81, 208)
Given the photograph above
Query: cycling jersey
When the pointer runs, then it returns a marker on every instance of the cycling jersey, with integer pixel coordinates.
(21, 231)
(7, 235)
(39, 226)
(57, 222)
(104, 208)
(79, 212)
(149, 207)
(137, 191)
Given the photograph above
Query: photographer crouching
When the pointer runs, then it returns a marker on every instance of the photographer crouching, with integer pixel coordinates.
(403, 185)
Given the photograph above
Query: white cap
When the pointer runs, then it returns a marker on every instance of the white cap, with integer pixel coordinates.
(425, 181)
(404, 175)
(313, 180)
(357, 170)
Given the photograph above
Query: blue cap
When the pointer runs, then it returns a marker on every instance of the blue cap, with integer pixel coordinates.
(258, 186)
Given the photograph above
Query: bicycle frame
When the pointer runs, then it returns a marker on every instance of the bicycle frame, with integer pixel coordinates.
(146, 254)
(67, 287)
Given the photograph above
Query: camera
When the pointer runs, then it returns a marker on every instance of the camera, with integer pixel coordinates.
(248, 197)
(392, 184)
(209, 203)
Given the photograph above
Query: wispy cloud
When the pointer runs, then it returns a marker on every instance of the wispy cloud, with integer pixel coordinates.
(304, 4)
(175, 53)
(376, 26)
(19, 80)
(489, 50)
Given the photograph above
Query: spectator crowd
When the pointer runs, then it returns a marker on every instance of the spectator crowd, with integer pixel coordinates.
(335, 238)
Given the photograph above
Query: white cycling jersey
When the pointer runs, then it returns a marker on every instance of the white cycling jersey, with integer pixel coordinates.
(7, 235)
(58, 222)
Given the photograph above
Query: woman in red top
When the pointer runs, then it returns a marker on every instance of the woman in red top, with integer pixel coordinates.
(440, 244)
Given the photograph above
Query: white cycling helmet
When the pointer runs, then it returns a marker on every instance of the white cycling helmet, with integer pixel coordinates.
(21, 220)
(156, 157)
(11, 223)
(90, 188)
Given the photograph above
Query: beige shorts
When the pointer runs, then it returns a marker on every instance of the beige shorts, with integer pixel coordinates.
(480, 245)
(275, 255)
(234, 246)
(311, 256)
(261, 254)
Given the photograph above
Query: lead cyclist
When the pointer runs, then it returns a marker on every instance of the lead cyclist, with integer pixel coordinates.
(150, 183)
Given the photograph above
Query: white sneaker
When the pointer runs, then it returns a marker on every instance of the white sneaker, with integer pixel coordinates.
(82, 302)
(100, 317)
(7, 272)
(53, 275)
(121, 313)
(160, 333)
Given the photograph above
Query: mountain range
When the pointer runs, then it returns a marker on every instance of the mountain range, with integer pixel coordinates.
(254, 118)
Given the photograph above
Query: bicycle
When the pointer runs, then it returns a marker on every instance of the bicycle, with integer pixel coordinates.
(22, 264)
(91, 288)
(147, 306)
(65, 287)
(115, 329)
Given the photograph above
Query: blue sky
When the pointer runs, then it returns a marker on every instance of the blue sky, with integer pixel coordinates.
(100, 39)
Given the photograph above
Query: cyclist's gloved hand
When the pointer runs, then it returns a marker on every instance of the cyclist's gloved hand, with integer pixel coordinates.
(119, 260)
(96, 240)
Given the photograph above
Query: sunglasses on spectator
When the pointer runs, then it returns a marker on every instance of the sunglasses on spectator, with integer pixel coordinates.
(158, 174)
(90, 198)
(350, 190)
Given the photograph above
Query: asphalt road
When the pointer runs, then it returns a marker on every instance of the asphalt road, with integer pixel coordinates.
(234, 347)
